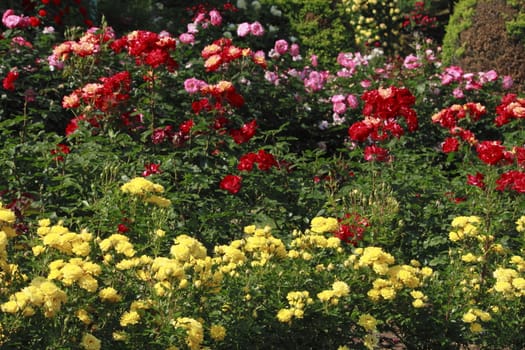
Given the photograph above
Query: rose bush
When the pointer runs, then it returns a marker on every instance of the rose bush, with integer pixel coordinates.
(201, 189)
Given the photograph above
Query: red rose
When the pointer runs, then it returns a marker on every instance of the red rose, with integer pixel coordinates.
(451, 144)
(376, 153)
(246, 162)
(476, 180)
(265, 160)
(231, 183)
(490, 152)
(359, 131)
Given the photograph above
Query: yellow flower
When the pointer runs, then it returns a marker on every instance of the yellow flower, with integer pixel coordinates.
(520, 224)
(109, 294)
(469, 317)
(141, 186)
(418, 303)
(469, 258)
(83, 316)
(159, 201)
(285, 315)
(6, 215)
(128, 318)
(368, 322)
(195, 334)
(340, 289)
(90, 342)
(119, 336)
(321, 224)
(217, 332)
(476, 327)
(370, 341)
(38, 249)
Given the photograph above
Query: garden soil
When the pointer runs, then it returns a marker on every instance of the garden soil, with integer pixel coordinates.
(487, 46)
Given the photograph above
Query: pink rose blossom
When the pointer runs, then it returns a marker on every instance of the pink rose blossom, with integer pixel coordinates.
(507, 82)
(187, 38)
(458, 93)
(339, 107)
(313, 60)
(215, 18)
(256, 29)
(243, 29)
(193, 85)
(294, 50)
(365, 84)
(281, 46)
(352, 101)
(411, 62)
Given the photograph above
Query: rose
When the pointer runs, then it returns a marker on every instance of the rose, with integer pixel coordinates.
(231, 183)
(451, 144)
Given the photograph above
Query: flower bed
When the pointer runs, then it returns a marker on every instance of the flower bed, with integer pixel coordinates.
(195, 190)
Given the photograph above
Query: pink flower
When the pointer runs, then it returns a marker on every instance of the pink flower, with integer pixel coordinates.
(215, 18)
(281, 46)
(411, 62)
(313, 60)
(507, 82)
(339, 107)
(294, 50)
(458, 93)
(243, 29)
(352, 101)
(193, 85)
(256, 29)
(187, 38)
(365, 84)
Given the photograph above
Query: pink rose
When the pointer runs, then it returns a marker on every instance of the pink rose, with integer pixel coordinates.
(243, 29)
(215, 18)
(281, 46)
(187, 38)
(256, 29)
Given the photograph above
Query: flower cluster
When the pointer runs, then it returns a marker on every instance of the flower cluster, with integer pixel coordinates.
(339, 289)
(297, 300)
(264, 160)
(11, 20)
(88, 44)
(60, 238)
(96, 100)
(222, 52)
(143, 188)
(472, 316)
(41, 293)
(194, 330)
(76, 270)
(419, 19)
(382, 109)
(465, 227)
(511, 107)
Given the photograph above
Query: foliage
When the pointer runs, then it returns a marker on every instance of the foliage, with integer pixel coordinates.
(460, 20)
(213, 187)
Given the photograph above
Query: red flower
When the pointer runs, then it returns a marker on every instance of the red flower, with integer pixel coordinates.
(451, 144)
(359, 131)
(265, 160)
(491, 152)
(231, 183)
(9, 81)
(351, 228)
(513, 179)
(150, 169)
(246, 162)
(186, 126)
(245, 133)
(122, 228)
(476, 180)
(376, 153)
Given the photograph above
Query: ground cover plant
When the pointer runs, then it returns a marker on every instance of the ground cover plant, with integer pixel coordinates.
(203, 189)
